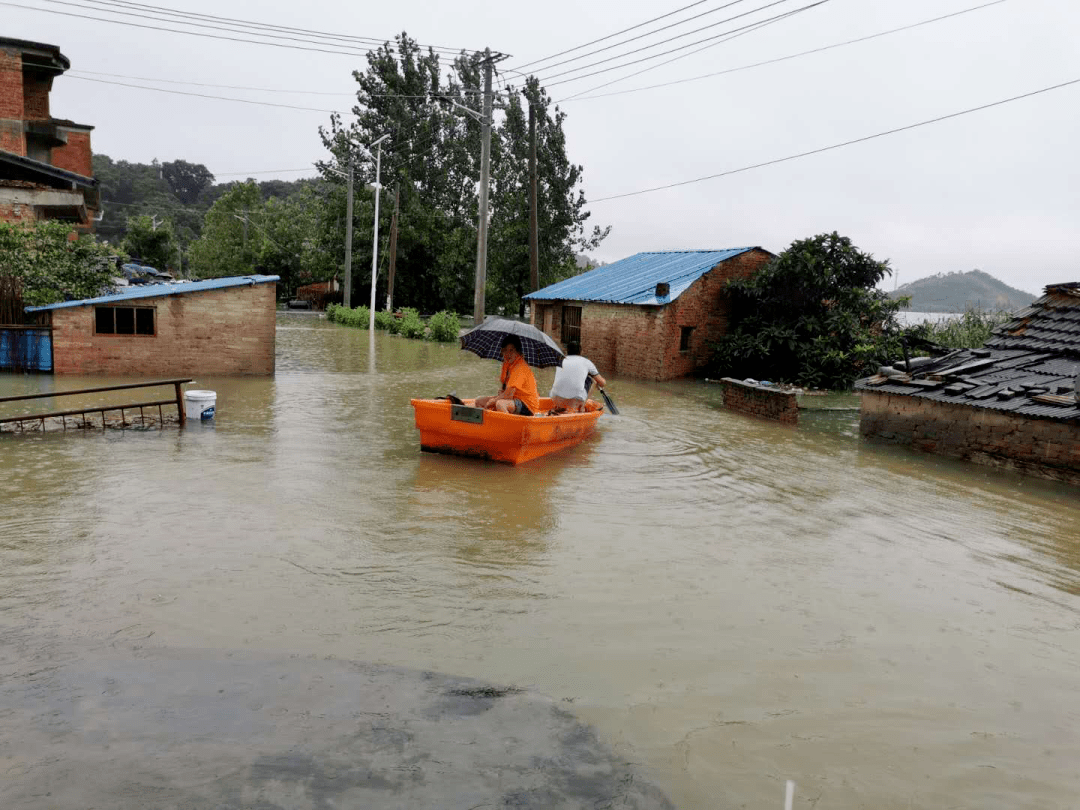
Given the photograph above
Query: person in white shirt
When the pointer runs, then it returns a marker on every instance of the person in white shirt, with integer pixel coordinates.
(568, 392)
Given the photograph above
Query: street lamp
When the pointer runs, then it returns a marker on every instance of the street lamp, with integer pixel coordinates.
(377, 157)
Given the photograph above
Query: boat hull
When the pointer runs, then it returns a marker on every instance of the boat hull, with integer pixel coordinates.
(502, 437)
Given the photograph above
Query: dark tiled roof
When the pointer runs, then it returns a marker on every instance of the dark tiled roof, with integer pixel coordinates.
(1028, 367)
(20, 167)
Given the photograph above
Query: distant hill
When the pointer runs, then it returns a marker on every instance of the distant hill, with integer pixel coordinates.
(585, 262)
(959, 292)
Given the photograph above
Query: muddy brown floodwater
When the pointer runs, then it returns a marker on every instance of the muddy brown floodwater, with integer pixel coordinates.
(728, 602)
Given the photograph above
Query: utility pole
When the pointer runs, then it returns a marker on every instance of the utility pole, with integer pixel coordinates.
(375, 239)
(534, 237)
(393, 250)
(245, 228)
(485, 161)
(347, 294)
(179, 259)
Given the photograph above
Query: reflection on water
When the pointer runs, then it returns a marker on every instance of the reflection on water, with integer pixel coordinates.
(731, 602)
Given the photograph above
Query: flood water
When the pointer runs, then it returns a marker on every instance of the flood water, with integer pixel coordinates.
(731, 603)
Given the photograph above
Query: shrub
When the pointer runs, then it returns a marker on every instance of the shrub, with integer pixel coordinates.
(359, 317)
(970, 331)
(410, 325)
(386, 321)
(444, 326)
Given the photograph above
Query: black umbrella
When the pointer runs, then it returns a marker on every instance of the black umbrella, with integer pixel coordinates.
(486, 340)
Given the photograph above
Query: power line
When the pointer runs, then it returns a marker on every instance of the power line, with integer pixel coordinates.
(207, 95)
(256, 24)
(582, 96)
(221, 86)
(663, 41)
(840, 145)
(749, 26)
(609, 36)
(181, 31)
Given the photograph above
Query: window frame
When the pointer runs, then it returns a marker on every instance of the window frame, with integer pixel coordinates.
(685, 336)
(568, 327)
(134, 321)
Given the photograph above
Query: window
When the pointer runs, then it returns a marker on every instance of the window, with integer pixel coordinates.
(124, 321)
(684, 338)
(571, 324)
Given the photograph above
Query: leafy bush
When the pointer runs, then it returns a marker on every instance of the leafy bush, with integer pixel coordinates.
(410, 325)
(970, 331)
(444, 326)
(358, 317)
(52, 265)
(386, 321)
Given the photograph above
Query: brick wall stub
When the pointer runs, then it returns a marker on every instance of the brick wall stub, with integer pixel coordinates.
(1045, 448)
(760, 400)
(228, 331)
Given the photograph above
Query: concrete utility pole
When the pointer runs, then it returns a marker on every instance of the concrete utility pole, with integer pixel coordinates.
(393, 250)
(485, 161)
(534, 236)
(375, 238)
(347, 293)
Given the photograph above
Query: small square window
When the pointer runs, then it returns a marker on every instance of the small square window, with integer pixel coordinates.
(144, 321)
(103, 321)
(684, 338)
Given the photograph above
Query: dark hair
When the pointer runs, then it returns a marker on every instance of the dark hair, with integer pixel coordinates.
(511, 340)
(573, 347)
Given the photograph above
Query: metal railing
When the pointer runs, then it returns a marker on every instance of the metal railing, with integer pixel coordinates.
(178, 401)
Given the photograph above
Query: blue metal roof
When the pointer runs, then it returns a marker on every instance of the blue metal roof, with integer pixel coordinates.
(158, 290)
(633, 280)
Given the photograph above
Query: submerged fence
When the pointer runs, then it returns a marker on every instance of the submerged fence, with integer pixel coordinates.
(75, 413)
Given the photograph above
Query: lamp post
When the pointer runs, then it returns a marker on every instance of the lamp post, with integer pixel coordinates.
(377, 157)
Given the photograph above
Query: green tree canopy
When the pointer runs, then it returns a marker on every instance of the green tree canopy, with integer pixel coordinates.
(187, 181)
(228, 246)
(53, 264)
(812, 316)
(152, 242)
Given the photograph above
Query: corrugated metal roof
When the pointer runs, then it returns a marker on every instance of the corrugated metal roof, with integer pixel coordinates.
(158, 290)
(633, 280)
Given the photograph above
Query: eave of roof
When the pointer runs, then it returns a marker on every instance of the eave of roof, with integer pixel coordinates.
(62, 63)
(40, 168)
(633, 280)
(159, 290)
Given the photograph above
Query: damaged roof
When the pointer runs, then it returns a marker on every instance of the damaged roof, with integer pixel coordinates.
(633, 280)
(1029, 366)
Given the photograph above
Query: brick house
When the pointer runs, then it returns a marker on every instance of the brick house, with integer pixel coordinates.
(216, 326)
(1014, 403)
(45, 169)
(652, 315)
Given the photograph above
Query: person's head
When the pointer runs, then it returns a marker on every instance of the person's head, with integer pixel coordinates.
(573, 347)
(511, 347)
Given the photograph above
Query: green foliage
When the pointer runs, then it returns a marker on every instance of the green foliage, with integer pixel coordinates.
(432, 159)
(410, 325)
(153, 246)
(386, 321)
(444, 326)
(52, 265)
(227, 247)
(812, 316)
(187, 181)
(359, 317)
(970, 331)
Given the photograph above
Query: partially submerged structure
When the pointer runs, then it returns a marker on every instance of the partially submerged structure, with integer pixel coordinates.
(1013, 403)
(216, 326)
(45, 162)
(652, 315)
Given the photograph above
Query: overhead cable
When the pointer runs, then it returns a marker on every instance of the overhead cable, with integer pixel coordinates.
(839, 145)
(584, 94)
(609, 36)
(753, 25)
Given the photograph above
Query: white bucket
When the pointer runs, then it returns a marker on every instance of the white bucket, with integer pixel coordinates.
(200, 404)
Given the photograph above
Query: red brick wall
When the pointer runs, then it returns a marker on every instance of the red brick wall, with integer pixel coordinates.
(16, 212)
(12, 137)
(75, 154)
(36, 97)
(228, 331)
(760, 401)
(643, 342)
(1040, 447)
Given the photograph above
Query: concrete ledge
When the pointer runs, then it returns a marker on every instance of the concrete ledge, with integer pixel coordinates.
(760, 400)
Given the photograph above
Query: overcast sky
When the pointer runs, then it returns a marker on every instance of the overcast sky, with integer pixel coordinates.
(997, 190)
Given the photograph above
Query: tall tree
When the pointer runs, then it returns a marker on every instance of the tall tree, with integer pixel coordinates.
(152, 242)
(186, 180)
(231, 240)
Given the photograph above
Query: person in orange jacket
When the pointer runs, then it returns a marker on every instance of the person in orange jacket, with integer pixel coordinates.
(518, 394)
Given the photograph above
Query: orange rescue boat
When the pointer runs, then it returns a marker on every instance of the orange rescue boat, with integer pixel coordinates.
(465, 430)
